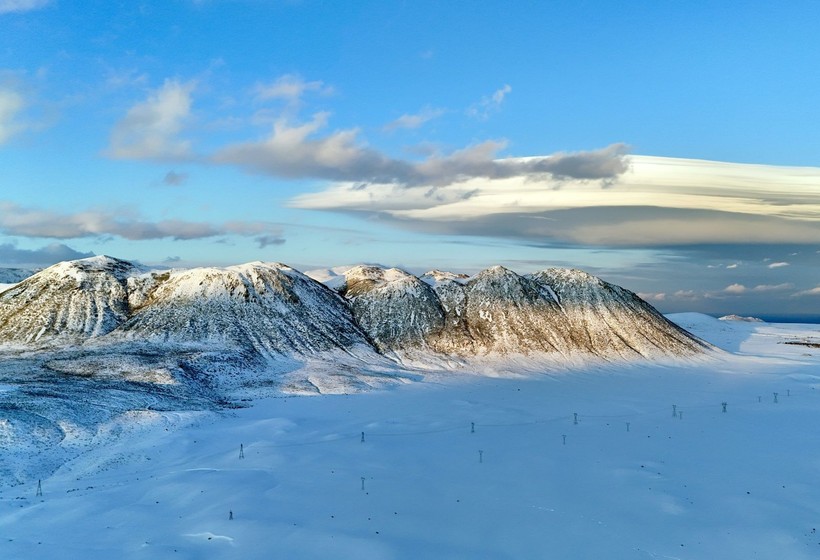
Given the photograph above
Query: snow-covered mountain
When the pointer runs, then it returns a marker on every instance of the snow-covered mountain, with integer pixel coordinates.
(608, 320)
(560, 312)
(67, 303)
(395, 308)
(14, 275)
(270, 310)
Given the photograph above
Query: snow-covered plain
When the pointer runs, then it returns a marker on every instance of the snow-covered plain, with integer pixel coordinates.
(629, 480)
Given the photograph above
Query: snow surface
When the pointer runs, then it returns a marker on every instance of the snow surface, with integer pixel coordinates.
(629, 480)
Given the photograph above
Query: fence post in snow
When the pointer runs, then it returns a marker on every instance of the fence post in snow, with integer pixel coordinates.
(565, 439)
(674, 410)
(241, 451)
(480, 456)
(575, 418)
(759, 399)
(775, 397)
(362, 437)
(39, 488)
(472, 427)
(724, 404)
(362, 483)
(627, 426)
(680, 415)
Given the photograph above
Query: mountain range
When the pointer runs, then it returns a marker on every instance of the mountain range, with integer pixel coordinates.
(271, 311)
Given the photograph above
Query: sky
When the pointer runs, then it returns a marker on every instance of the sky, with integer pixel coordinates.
(671, 148)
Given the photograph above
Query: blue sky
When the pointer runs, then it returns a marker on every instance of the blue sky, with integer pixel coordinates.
(188, 132)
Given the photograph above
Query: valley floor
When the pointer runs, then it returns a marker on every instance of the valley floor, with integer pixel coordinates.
(464, 466)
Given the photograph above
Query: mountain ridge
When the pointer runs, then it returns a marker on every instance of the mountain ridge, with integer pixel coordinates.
(271, 310)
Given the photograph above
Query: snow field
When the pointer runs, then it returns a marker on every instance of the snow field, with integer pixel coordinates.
(699, 484)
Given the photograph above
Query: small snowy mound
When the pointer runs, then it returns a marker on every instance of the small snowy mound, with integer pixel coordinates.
(740, 318)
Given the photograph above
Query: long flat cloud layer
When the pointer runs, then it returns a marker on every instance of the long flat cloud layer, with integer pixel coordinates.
(655, 202)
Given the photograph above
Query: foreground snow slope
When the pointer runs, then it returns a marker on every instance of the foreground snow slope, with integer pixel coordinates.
(630, 480)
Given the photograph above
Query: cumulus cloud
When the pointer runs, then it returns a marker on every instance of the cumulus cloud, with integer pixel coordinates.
(414, 120)
(18, 6)
(294, 151)
(10, 254)
(778, 264)
(488, 104)
(151, 129)
(735, 289)
(29, 222)
(299, 151)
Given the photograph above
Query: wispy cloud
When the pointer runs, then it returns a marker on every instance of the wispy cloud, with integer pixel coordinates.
(151, 128)
(737, 289)
(652, 296)
(489, 104)
(290, 88)
(18, 6)
(12, 104)
(36, 223)
(810, 292)
(778, 264)
(174, 179)
(426, 114)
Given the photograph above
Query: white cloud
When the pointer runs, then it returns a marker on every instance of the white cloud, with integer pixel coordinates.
(12, 6)
(687, 295)
(296, 151)
(773, 287)
(810, 292)
(36, 223)
(11, 105)
(655, 202)
(735, 265)
(290, 88)
(151, 128)
(416, 120)
(778, 264)
(652, 296)
(490, 104)
(735, 289)
(301, 151)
